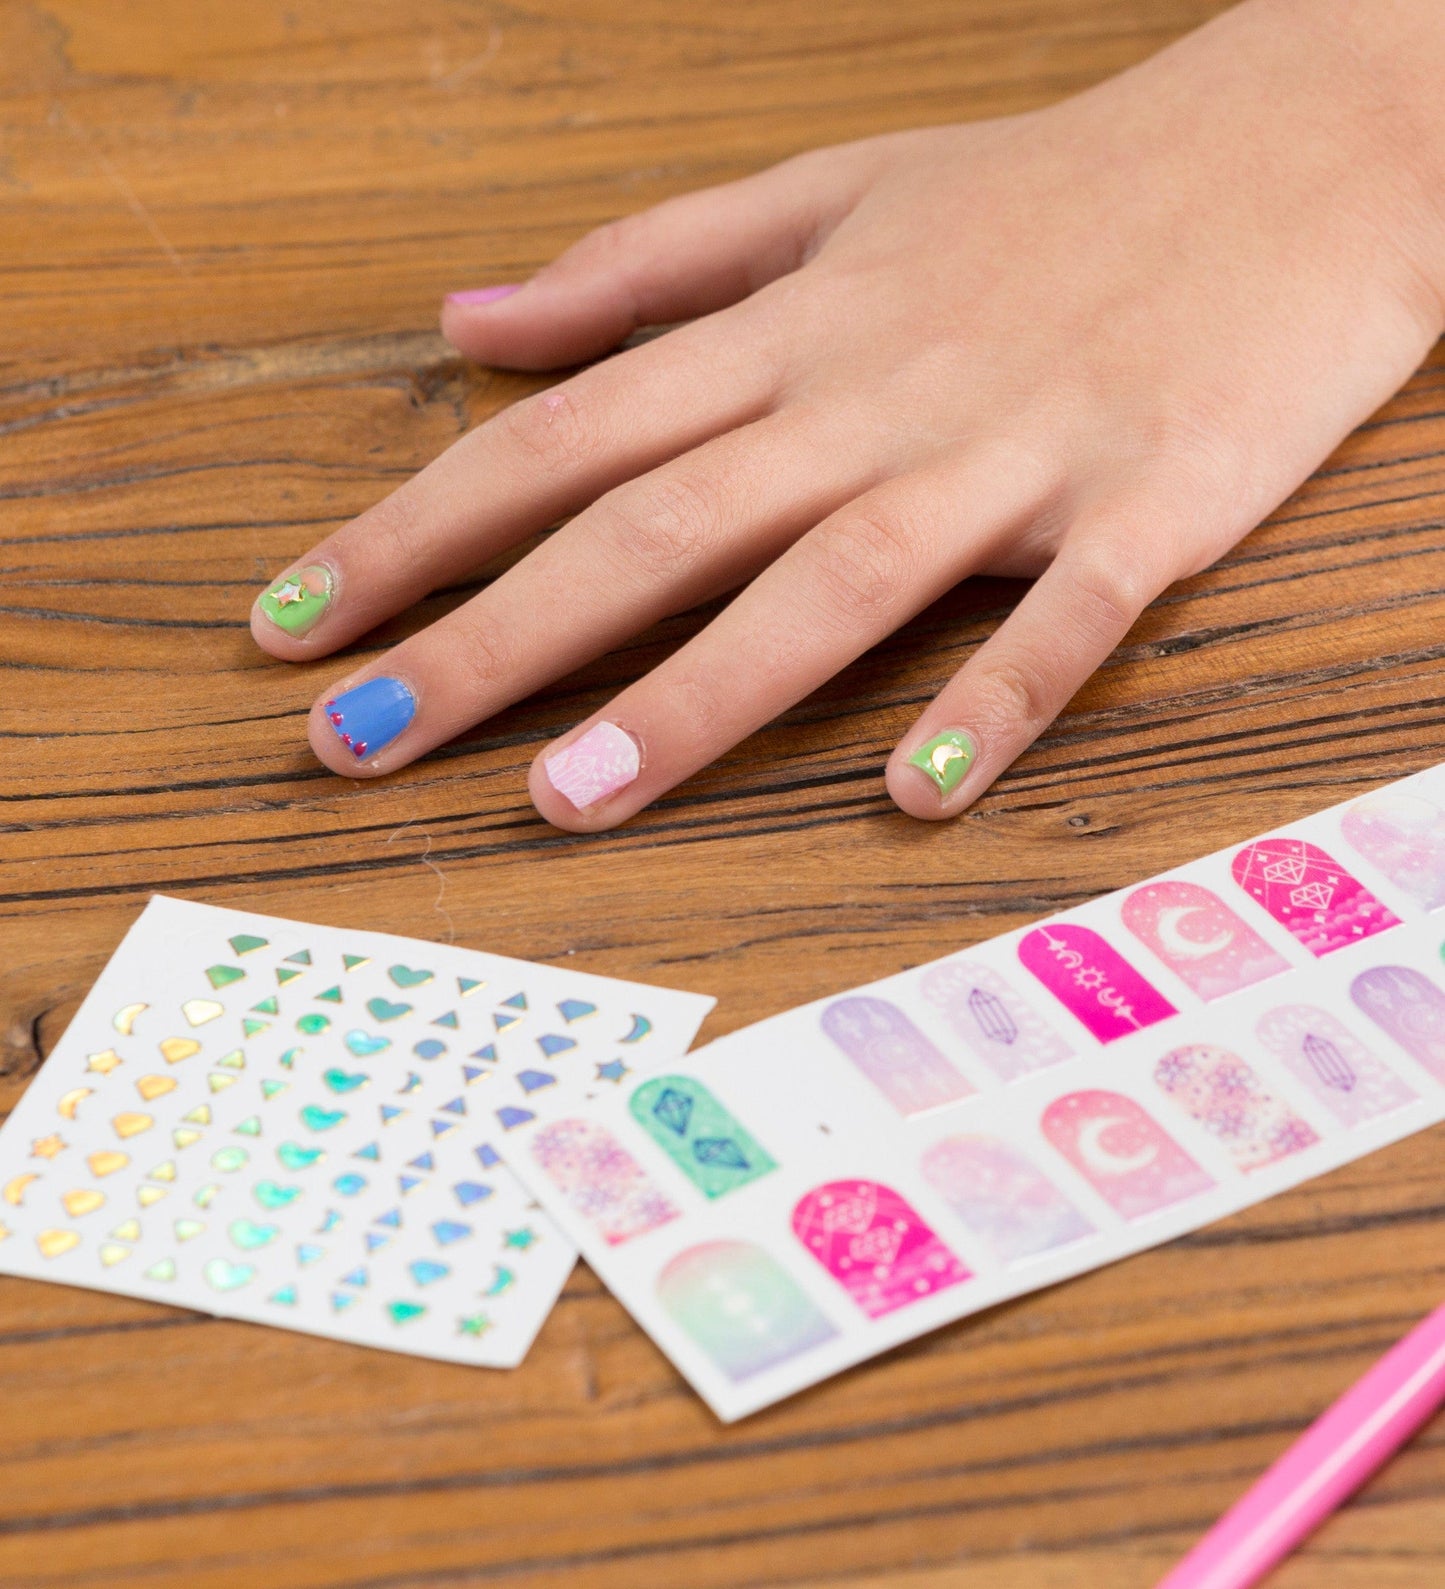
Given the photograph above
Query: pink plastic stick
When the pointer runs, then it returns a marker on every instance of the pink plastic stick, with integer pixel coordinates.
(1328, 1462)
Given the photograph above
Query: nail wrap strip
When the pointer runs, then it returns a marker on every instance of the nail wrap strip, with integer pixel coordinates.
(599, 763)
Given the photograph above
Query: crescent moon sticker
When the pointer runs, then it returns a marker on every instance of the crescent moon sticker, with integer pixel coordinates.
(124, 1020)
(1188, 948)
(71, 1102)
(501, 1280)
(1093, 1152)
(15, 1190)
(641, 1026)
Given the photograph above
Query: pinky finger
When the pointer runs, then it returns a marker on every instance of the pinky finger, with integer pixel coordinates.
(1022, 677)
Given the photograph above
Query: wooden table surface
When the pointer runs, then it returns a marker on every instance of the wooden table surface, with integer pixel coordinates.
(224, 232)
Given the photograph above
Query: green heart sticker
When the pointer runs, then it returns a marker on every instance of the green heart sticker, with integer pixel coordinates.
(405, 977)
(343, 1081)
(318, 1119)
(223, 1275)
(294, 1157)
(248, 1235)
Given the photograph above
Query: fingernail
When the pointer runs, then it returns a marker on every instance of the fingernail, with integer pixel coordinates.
(297, 600)
(945, 758)
(475, 295)
(604, 760)
(369, 717)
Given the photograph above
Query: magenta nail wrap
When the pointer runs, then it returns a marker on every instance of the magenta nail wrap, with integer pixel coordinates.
(599, 763)
(1092, 980)
(1310, 894)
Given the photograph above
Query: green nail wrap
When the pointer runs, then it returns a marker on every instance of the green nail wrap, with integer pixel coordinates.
(945, 758)
(297, 600)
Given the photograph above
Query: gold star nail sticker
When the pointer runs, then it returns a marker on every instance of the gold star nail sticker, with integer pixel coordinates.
(291, 592)
(47, 1147)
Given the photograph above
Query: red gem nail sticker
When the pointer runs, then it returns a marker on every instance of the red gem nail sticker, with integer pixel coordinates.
(893, 1054)
(1092, 980)
(1129, 1159)
(1228, 1099)
(1403, 836)
(875, 1245)
(1408, 1007)
(600, 1179)
(1310, 895)
(1193, 932)
(1007, 1034)
(1001, 1197)
(1333, 1063)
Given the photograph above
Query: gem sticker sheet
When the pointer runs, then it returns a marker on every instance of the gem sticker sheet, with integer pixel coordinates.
(306, 1127)
(817, 1188)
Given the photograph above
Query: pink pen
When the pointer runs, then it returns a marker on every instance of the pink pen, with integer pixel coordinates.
(1329, 1461)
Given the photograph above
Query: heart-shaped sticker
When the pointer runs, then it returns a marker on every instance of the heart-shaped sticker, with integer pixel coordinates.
(363, 1043)
(271, 1194)
(223, 1275)
(405, 977)
(343, 1081)
(294, 1157)
(385, 1010)
(248, 1235)
(317, 1119)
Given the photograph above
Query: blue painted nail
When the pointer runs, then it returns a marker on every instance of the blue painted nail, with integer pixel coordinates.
(369, 717)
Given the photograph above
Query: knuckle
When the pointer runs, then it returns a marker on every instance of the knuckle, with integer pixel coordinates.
(481, 659)
(556, 431)
(393, 530)
(864, 563)
(1018, 692)
(1111, 583)
(664, 530)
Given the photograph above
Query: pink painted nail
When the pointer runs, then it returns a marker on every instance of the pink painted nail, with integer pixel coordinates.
(475, 295)
(604, 760)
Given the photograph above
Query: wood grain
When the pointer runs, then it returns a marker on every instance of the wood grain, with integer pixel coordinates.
(226, 230)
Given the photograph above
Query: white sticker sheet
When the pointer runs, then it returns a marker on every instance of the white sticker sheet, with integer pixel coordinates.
(819, 1187)
(306, 1127)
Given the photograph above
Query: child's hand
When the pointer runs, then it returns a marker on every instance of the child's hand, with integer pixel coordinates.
(1094, 345)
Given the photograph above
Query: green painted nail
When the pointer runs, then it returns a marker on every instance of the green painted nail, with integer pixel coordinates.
(945, 758)
(296, 602)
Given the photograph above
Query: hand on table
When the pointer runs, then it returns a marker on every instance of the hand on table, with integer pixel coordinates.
(1092, 346)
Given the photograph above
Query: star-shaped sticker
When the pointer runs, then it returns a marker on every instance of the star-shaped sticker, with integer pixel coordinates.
(613, 1070)
(476, 1324)
(290, 593)
(520, 1239)
(47, 1147)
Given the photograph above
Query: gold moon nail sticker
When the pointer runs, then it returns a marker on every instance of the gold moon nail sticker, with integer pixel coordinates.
(54, 1242)
(199, 1011)
(107, 1162)
(103, 1063)
(78, 1203)
(14, 1193)
(155, 1086)
(124, 1020)
(128, 1124)
(176, 1049)
(71, 1102)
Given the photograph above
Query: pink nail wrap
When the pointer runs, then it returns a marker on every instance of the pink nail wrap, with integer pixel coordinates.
(1092, 980)
(1402, 835)
(602, 761)
(875, 1245)
(1129, 1159)
(1193, 932)
(1001, 1197)
(600, 1179)
(1310, 895)
(1408, 1007)
(1007, 1034)
(893, 1054)
(1330, 1060)
(1227, 1098)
